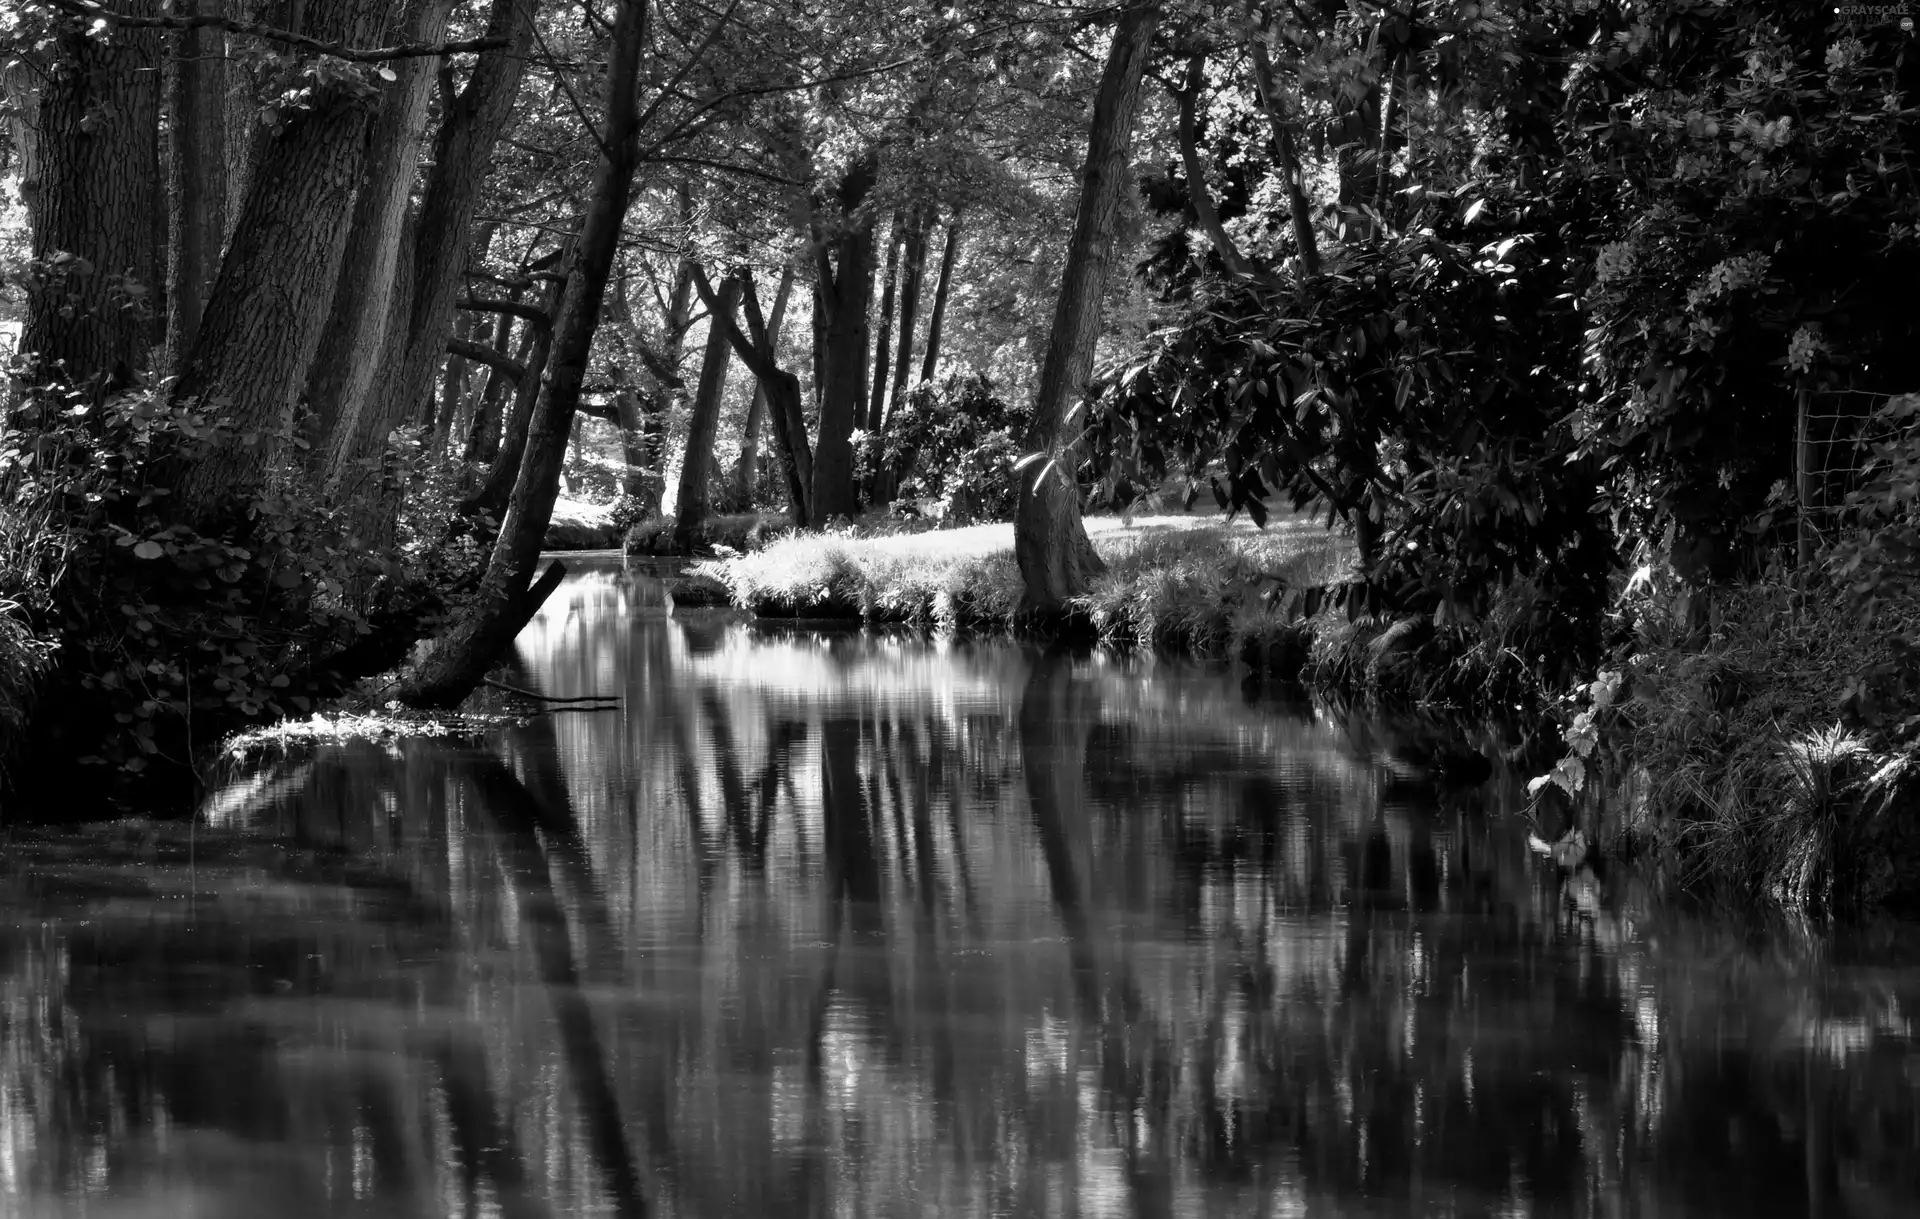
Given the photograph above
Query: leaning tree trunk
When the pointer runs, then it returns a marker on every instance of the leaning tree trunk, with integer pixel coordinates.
(1056, 558)
(1287, 154)
(270, 301)
(746, 471)
(936, 320)
(355, 341)
(692, 506)
(92, 192)
(196, 174)
(1199, 197)
(436, 248)
(508, 595)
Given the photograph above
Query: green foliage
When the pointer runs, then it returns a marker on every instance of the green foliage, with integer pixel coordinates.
(1880, 561)
(1415, 390)
(952, 444)
(171, 636)
(1758, 245)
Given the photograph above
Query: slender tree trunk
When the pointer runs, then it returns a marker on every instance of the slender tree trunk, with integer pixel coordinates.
(883, 349)
(1287, 156)
(92, 202)
(483, 437)
(747, 471)
(1056, 558)
(196, 174)
(358, 326)
(453, 382)
(1199, 197)
(784, 400)
(494, 492)
(270, 302)
(912, 274)
(508, 594)
(436, 249)
(692, 506)
(936, 320)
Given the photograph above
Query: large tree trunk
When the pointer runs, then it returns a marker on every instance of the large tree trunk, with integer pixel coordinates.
(196, 174)
(883, 349)
(847, 293)
(270, 301)
(436, 247)
(1056, 558)
(92, 194)
(746, 471)
(936, 320)
(508, 595)
(358, 326)
(692, 507)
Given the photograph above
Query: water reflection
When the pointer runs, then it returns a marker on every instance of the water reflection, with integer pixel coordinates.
(822, 923)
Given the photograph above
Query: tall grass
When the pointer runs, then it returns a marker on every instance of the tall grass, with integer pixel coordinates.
(1201, 587)
(1751, 777)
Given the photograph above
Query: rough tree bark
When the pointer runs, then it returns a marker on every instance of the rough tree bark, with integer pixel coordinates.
(196, 84)
(846, 293)
(356, 337)
(92, 191)
(692, 506)
(936, 320)
(746, 471)
(508, 594)
(1056, 558)
(270, 301)
(434, 249)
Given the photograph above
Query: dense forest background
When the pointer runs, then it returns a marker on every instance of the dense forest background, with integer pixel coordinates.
(315, 305)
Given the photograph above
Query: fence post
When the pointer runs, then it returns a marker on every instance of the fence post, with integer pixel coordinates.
(1803, 477)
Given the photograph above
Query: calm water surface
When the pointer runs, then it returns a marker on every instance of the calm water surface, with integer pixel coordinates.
(823, 923)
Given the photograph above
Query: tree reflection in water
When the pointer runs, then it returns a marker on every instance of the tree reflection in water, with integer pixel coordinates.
(829, 923)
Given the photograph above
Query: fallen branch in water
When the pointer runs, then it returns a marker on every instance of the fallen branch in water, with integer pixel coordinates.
(549, 698)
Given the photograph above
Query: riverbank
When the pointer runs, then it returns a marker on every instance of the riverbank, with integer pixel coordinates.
(1196, 584)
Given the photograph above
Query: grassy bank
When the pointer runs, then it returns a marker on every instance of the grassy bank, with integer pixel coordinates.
(1194, 584)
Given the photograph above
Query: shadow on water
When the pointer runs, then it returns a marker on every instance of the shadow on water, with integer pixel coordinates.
(819, 922)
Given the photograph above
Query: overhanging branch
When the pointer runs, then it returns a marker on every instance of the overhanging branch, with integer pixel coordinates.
(91, 11)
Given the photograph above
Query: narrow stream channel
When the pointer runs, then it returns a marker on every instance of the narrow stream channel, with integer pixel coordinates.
(824, 923)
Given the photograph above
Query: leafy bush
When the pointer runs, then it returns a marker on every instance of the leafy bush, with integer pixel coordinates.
(171, 636)
(952, 444)
(1880, 561)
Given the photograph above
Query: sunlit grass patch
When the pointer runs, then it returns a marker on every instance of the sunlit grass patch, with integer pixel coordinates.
(390, 725)
(1174, 583)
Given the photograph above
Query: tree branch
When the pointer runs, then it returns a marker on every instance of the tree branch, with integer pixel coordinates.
(91, 11)
(480, 353)
(533, 313)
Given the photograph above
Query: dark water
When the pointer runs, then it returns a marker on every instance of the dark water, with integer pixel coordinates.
(819, 923)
